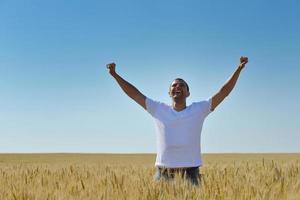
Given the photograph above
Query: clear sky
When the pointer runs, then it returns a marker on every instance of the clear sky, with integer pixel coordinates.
(56, 94)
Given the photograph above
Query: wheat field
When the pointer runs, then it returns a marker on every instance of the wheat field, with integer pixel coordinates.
(113, 176)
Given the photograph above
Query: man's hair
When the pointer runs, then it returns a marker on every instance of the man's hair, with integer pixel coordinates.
(180, 79)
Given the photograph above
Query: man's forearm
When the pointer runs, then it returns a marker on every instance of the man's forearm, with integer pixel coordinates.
(128, 88)
(230, 83)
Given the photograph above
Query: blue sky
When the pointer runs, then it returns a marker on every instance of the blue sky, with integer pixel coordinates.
(56, 94)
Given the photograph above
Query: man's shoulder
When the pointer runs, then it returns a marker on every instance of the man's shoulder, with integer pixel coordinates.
(156, 102)
(202, 106)
(153, 105)
(198, 103)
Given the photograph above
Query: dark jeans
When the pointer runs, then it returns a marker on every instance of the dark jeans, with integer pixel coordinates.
(190, 173)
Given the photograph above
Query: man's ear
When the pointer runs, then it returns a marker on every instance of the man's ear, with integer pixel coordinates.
(170, 93)
(188, 94)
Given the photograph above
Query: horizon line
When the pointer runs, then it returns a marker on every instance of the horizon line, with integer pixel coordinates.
(126, 153)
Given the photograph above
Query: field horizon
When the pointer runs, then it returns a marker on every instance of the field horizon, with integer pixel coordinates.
(137, 158)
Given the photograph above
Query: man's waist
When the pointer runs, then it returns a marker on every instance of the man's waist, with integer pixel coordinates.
(177, 169)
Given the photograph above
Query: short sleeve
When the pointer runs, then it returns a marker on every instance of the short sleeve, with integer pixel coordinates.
(204, 107)
(209, 105)
(152, 106)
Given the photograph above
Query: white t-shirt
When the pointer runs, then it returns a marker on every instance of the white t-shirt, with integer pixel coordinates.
(178, 133)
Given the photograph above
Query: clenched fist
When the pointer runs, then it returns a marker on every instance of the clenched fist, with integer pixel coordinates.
(111, 68)
(243, 62)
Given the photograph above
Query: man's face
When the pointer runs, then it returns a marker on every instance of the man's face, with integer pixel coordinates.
(178, 90)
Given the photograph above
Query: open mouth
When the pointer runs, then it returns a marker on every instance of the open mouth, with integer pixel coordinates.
(176, 93)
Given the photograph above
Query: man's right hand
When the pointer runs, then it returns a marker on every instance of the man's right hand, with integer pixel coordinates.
(129, 89)
(111, 68)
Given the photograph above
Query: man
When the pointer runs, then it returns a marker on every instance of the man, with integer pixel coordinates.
(178, 126)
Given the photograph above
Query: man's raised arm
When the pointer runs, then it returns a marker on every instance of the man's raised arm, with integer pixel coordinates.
(129, 89)
(229, 85)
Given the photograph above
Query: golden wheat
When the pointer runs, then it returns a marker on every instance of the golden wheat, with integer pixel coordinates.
(114, 177)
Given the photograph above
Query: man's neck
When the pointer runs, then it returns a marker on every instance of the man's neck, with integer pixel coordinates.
(179, 106)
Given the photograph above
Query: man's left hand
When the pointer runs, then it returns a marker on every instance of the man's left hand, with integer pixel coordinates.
(243, 62)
